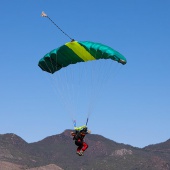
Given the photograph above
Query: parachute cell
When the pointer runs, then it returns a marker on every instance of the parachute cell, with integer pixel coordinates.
(78, 51)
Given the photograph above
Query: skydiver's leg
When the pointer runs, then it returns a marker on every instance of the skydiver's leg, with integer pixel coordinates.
(79, 143)
(85, 146)
(79, 148)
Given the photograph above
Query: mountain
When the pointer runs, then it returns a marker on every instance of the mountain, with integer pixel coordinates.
(161, 150)
(9, 166)
(161, 147)
(48, 167)
(59, 152)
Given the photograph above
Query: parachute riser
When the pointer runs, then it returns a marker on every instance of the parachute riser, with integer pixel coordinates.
(74, 123)
(87, 121)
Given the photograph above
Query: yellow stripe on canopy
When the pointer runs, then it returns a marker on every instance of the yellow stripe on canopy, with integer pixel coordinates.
(80, 51)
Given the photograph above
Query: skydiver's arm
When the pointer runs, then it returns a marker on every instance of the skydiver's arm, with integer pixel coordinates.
(85, 133)
(72, 134)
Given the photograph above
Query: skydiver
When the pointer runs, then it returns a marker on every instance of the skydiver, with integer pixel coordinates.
(78, 136)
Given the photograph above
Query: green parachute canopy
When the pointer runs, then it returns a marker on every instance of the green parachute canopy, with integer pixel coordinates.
(78, 51)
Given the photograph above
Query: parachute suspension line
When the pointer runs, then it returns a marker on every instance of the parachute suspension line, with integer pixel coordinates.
(107, 70)
(43, 14)
(63, 91)
(94, 89)
(60, 90)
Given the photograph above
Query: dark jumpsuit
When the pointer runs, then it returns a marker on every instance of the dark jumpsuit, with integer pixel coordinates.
(78, 137)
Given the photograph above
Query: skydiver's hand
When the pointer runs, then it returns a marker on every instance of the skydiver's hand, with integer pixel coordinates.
(72, 133)
(89, 131)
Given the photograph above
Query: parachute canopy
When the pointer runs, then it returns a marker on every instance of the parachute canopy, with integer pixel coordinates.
(77, 51)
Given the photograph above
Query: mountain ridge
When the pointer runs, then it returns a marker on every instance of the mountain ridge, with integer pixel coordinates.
(103, 153)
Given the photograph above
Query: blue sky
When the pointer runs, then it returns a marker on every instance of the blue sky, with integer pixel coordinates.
(134, 107)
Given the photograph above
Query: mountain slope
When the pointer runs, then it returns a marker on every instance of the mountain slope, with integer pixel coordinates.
(162, 147)
(48, 167)
(161, 150)
(10, 166)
